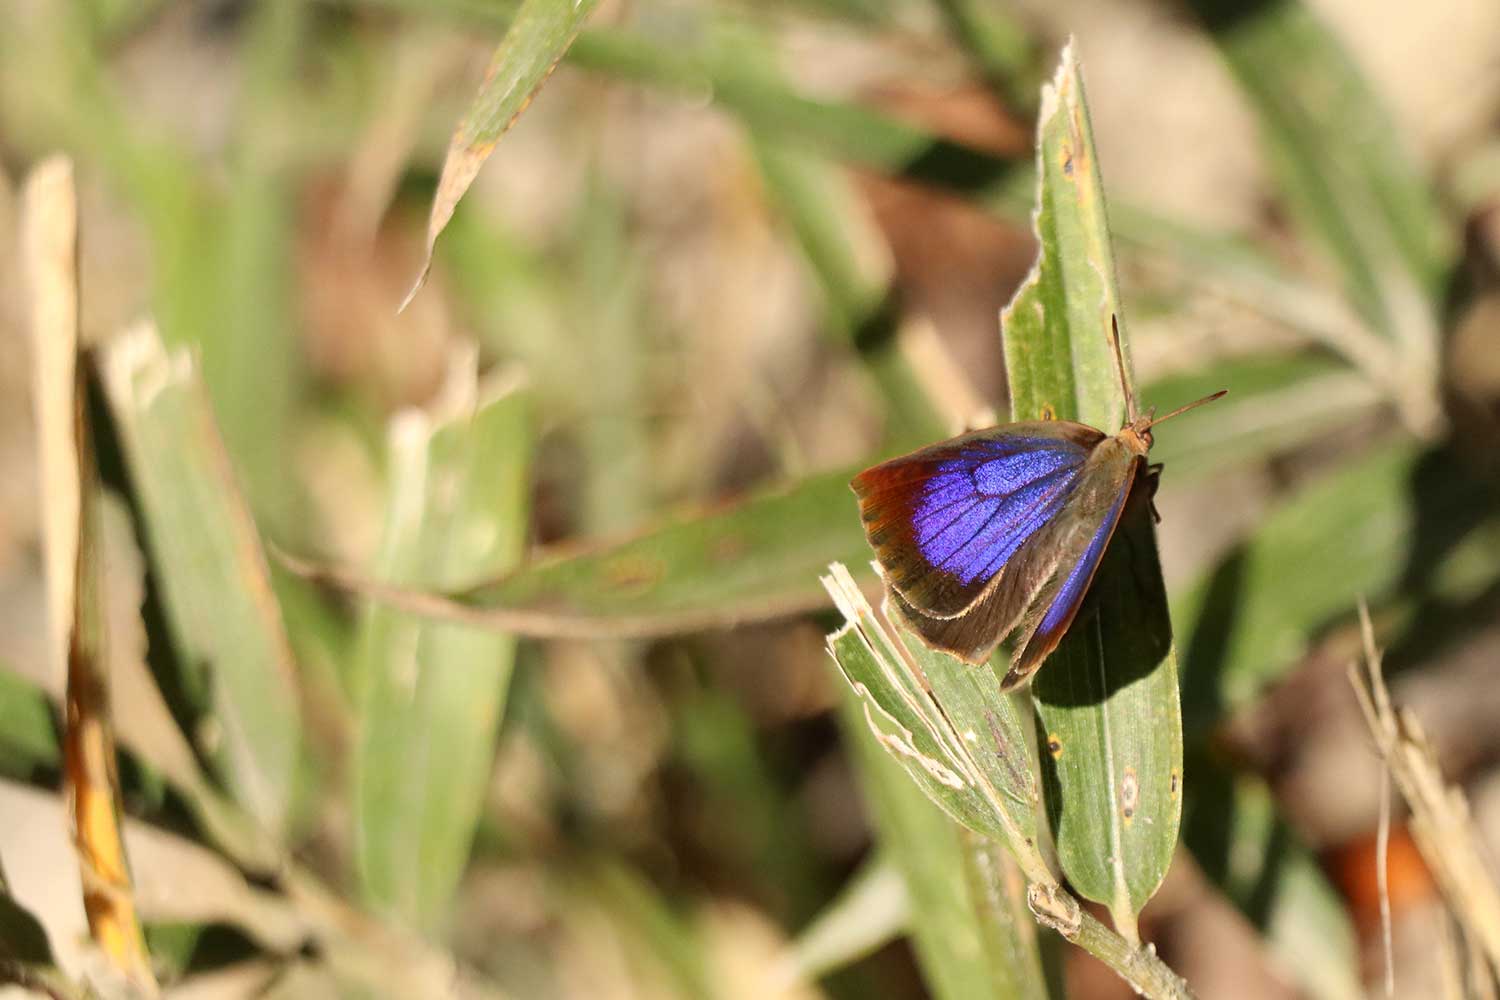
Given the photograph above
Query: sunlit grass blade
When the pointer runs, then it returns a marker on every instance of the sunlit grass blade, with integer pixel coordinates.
(226, 626)
(1397, 521)
(429, 695)
(143, 724)
(376, 956)
(1111, 720)
(1352, 187)
(1107, 698)
(962, 922)
(690, 63)
(931, 714)
(176, 880)
(539, 34)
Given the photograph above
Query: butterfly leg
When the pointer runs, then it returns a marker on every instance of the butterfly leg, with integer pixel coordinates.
(1153, 480)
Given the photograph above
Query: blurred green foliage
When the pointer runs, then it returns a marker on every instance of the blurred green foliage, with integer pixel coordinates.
(705, 243)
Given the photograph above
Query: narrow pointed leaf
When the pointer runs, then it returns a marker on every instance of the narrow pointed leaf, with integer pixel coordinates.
(1113, 736)
(1338, 156)
(539, 34)
(1108, 696)
(222, 615)
(430, 695)
(748, 561)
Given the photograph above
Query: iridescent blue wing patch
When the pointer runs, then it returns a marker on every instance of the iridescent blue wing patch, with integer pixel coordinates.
(1057, 602)
(944, 521)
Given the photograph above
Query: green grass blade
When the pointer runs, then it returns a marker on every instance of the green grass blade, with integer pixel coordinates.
(947, 725)
(1107, 699)
(28, 731)
(1351, 185)
(971, 931)
(225, 625)
(539, 34)
(998, 45)
(429, 696)
(862, 136)
(815, 198)
(870, 911)
(1108, 706)
(1399, 520)
(251, 351)
(1278, 403)
(750, 561)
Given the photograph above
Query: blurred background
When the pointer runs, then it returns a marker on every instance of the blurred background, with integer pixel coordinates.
(739, 250)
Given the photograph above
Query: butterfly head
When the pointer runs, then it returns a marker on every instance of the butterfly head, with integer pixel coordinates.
(1137, 433)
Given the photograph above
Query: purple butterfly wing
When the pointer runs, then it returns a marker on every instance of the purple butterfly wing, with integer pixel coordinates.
(1058, 602)
(1038, 592)
(944, 521)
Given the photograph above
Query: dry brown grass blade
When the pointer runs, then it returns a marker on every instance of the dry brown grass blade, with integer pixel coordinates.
(74, 584)
(539, 34)
(49, 227)
(1440, 820)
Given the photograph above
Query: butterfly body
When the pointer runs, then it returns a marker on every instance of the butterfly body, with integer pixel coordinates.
(1000, 531)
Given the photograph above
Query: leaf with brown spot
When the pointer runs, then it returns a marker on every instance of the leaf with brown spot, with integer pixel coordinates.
(668, 579)
(1107, 699)
(536, 40)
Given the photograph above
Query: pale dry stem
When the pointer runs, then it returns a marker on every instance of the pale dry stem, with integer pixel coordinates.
(1440, 820)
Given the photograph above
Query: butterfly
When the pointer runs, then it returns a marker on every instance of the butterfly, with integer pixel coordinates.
(1001, 530)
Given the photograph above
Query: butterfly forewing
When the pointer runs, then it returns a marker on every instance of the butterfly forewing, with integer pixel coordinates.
(1027, 552)
(947, 520)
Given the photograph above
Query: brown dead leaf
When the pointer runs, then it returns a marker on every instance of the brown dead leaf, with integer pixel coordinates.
(73, 569)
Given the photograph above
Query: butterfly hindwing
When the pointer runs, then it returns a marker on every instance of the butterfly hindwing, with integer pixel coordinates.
(946, 520)
(1084, 533)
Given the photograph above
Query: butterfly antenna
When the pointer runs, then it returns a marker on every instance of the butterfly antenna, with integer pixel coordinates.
(1183, 409)
(1131, 414)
